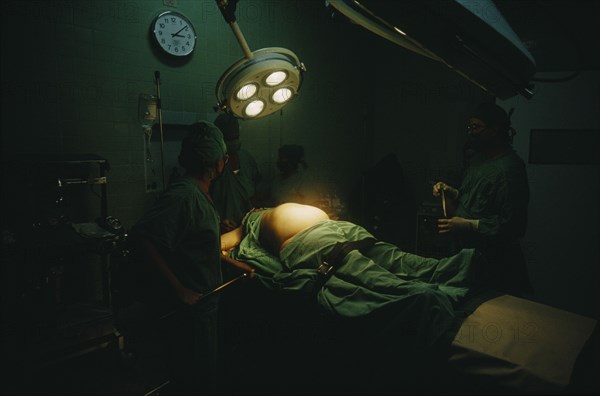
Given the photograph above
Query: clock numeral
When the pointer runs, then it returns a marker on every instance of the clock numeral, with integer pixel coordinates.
(174, 34)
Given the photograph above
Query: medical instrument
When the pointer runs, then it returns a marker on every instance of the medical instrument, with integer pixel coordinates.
(210, 293)
(444, 203)
(160, 125)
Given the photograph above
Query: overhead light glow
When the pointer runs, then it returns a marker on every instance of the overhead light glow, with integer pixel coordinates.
(275, 78)
(245, 89)
(282, 95)
(254, 108)
(246, 92)
(261, 85)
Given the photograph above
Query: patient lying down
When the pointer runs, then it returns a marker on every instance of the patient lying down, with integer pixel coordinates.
(278, 226)
(408, 307)
(287, 246)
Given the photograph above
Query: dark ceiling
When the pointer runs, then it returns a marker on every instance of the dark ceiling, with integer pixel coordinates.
(561, 35)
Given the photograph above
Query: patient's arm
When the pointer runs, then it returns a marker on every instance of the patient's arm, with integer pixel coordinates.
(231, 239)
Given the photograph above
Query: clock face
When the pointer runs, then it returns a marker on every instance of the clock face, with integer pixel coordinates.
(174, 33)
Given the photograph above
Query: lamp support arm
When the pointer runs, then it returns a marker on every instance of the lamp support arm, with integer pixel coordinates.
(227, 8)
(241, 40)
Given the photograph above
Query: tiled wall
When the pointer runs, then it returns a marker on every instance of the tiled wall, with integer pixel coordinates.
(72, 72)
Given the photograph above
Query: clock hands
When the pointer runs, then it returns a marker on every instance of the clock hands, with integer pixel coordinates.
(176, 34)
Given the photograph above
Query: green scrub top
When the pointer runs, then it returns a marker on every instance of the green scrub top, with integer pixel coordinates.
(232, 192)
(497, 193)
(184, 226)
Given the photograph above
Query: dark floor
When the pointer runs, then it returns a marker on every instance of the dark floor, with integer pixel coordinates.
(265, 351)
(104, 371)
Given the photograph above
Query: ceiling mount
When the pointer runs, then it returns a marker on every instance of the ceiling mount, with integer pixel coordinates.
(262, 82)
(470, 37)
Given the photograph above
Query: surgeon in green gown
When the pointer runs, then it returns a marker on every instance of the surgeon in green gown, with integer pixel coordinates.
(294, 182)
(179, 260)
(234, 190)
(488, 211)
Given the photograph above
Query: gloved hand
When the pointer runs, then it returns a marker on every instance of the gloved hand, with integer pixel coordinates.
(188, 296)
(449, 191)
(457, 224)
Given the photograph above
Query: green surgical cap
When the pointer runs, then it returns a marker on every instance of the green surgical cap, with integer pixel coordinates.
(228, 124)
(204, 143)
(491, 114)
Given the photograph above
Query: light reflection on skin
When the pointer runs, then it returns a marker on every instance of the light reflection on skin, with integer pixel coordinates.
(278, 226)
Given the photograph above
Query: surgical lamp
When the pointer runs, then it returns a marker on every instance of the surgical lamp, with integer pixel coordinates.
(262, 82)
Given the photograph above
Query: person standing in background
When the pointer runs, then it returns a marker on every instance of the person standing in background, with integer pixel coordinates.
(234, 190)
(293, 183)
(489, 209)
(177, 244)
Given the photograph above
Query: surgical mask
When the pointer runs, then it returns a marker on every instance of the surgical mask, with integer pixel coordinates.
(479, 142)
(233, 146)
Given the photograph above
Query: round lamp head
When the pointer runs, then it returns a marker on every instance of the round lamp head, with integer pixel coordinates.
(256, 87)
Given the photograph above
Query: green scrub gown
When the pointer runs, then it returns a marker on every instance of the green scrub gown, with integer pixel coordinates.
(232, 192)
(184, 226)
(497, 193)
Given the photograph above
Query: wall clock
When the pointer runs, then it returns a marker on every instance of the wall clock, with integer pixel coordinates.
(174, 33)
